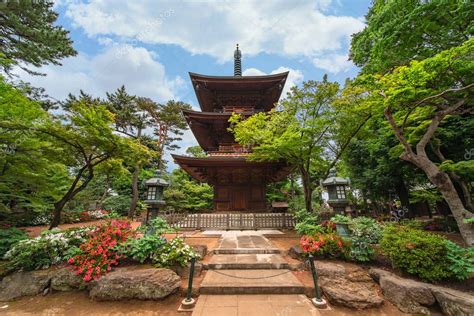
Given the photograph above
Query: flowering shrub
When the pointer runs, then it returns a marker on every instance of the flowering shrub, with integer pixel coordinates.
(325, 245)
(51, 247)
(174, 252)
(98, 214)
(99, 253)
(142, 249)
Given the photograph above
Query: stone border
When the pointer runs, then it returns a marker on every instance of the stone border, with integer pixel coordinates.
(412, 296)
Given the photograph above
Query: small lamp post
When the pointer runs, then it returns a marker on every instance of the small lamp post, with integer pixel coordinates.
(337, 188)
(154, 195)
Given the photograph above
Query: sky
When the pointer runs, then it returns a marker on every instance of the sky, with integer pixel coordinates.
(150, 45)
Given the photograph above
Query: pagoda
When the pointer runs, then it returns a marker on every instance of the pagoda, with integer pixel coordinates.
(239, 184)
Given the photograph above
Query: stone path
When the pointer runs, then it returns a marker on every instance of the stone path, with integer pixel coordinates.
(258, 305)
(247, 263)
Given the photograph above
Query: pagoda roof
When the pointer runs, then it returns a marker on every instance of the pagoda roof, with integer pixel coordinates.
(203, 169)
(209, 128)
(255, 92)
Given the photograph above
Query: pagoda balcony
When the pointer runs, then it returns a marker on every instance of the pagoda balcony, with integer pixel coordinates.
(226, 150)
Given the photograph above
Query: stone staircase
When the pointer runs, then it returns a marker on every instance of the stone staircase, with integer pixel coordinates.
(249, 264)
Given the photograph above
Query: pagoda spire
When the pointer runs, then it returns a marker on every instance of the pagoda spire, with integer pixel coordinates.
(237, 62)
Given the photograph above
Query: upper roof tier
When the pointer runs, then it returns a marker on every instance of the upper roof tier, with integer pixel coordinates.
(227, 93)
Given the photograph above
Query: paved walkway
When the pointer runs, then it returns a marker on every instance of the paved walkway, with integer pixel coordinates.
(254, 305)
(248, 276)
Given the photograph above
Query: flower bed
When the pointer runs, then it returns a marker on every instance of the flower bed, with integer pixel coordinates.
(407, 247)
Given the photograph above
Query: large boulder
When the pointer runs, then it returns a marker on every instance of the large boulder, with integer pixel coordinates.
(26, 283)
(347, 285)
(358, 295)
(454, 302)
(408, 295)
(64, 279)
(143, 284)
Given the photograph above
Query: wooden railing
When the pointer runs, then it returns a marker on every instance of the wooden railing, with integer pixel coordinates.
(230, 220)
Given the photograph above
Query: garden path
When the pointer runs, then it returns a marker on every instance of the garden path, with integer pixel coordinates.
(249, 276)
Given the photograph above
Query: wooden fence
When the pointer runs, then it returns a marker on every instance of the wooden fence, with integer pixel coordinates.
(230, 220)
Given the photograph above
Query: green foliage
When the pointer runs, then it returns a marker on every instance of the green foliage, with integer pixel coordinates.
(185, 193)
(364, 233)
(301, 130)
(417, 252)
(142, 249)
(461, 261)
(117, 203)
(340, 219)
(175, 252)
(51, 247)
(366, 227)
(9, 237)
(158, 226)
(307, 223)
(400, 31)
(30, 34)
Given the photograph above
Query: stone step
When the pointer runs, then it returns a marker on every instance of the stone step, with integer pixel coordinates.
(247, 261)
(251, 282)
(244, 251)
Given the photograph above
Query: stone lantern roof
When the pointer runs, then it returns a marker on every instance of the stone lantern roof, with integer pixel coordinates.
(332, 179)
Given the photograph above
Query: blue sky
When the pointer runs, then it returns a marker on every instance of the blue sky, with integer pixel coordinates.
(150, 46)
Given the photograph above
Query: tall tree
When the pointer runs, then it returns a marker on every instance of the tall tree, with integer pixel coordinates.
(401, 30)
(131, 119)
(416, 99)
(303, 131)
(32, 178)
(29, 35)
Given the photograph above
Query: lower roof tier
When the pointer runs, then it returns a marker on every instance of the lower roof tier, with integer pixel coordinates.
(223, 170)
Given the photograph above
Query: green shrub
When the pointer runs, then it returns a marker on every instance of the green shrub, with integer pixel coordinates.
(9, 237)
(51, 247)
(117, 203)
(365, 231)
(174, 252)
(417, 252)
(340, 219)
(366, 227)
(142, 249)
(461, 260)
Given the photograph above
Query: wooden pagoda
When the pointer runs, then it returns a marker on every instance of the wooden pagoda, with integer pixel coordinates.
(239, 184)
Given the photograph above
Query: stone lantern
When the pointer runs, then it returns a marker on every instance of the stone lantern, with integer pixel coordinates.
(337, 188)
(154, 195)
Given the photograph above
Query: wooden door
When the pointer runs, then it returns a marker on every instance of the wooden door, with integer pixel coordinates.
(239, 199)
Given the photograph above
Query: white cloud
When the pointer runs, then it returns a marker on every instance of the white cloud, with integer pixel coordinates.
(295, 76)
(287, 28)
(333, 63)
(116, 65)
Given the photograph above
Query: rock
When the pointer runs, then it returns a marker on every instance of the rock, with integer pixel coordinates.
(295, 252)
(358, 295)
(408, 295)
(329, 269)
(26, 283)
(201, 250)
(184, 271)
(348, 285)
(454, 302)
(64, 279)
(376, 274)
(143, 284)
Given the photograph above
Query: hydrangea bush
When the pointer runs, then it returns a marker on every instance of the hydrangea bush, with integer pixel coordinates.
(51, 247)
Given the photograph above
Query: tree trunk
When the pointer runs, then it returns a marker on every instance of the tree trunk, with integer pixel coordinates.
(403, 195)
(307, 190)
(134, 202)
(446, 187)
